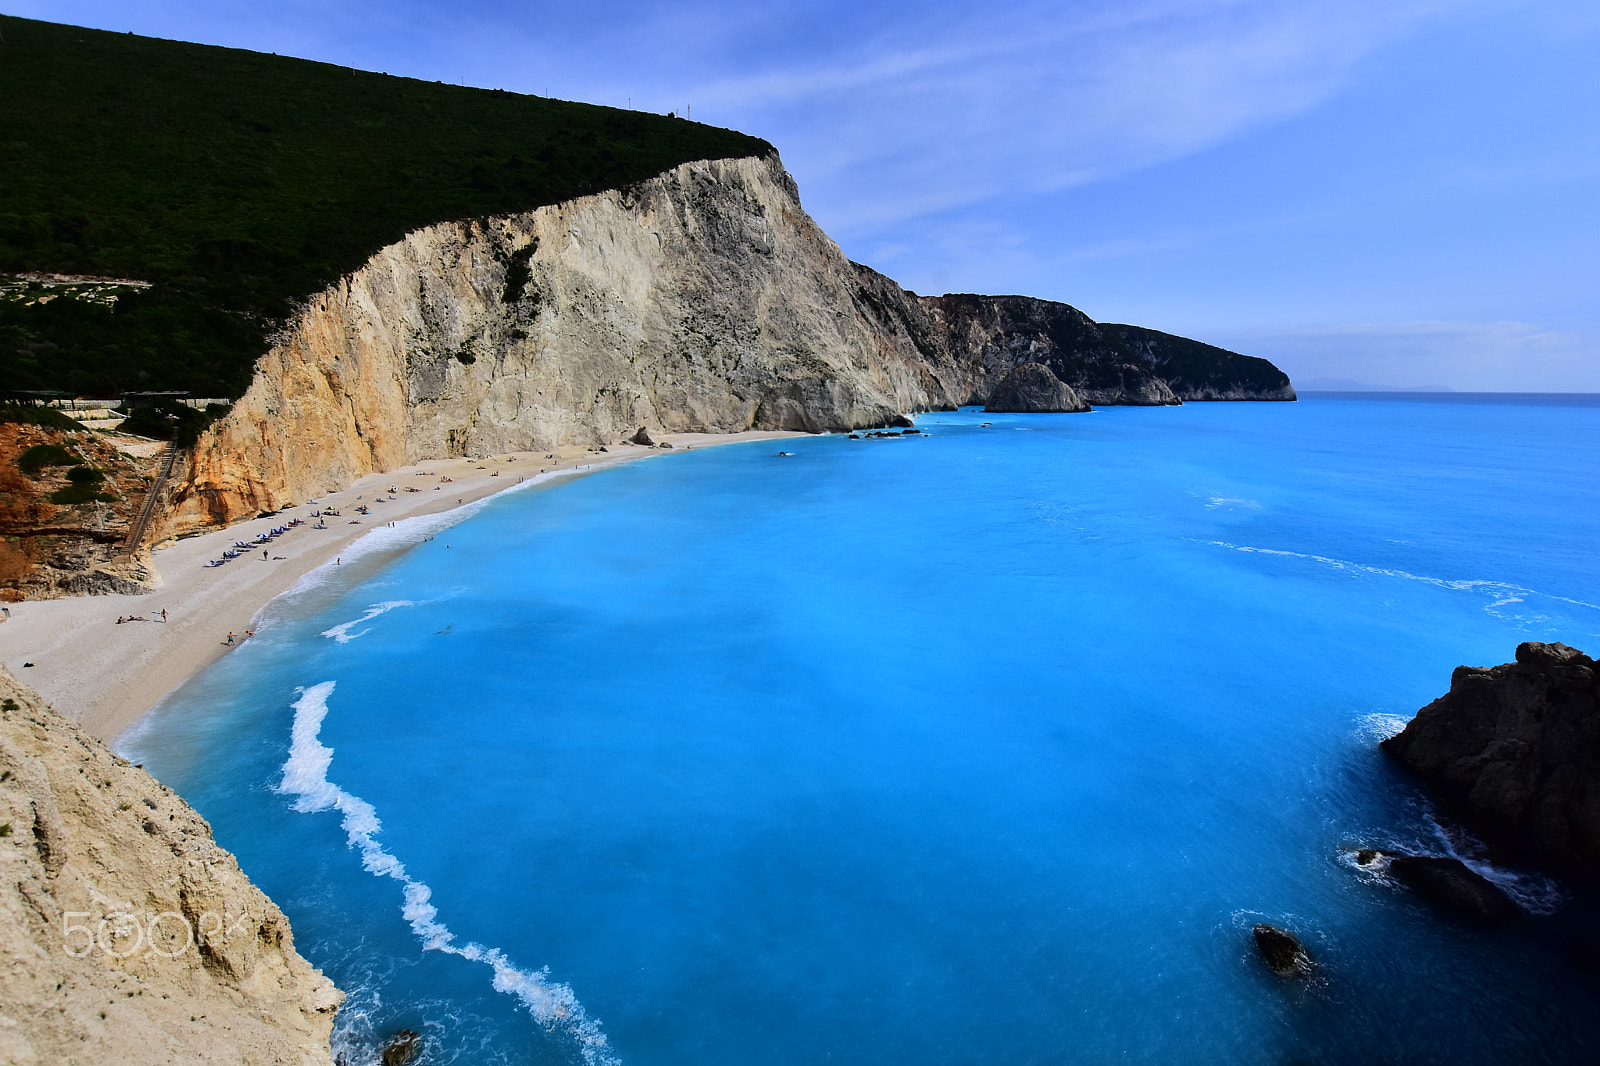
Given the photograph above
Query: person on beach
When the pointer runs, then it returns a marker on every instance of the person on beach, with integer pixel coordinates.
(119, 619)
(163, 614)
(263, 555)
(229, 641)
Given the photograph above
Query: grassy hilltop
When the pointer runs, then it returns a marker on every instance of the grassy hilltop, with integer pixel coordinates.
(238, 182)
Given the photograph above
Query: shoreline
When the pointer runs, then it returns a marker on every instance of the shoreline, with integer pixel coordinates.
(106, 676)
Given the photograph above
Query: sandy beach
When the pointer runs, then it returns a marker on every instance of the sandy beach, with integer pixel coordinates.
(105, 675)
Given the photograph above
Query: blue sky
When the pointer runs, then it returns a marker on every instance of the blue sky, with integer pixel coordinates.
(1403, 192)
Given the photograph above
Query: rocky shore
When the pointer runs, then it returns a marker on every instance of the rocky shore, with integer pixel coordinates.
(1513, 751)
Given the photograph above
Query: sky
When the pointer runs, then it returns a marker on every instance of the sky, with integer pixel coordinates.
(1392, 192)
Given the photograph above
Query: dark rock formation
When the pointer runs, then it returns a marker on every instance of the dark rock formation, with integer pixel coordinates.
(1514, 751)
(1282, 951)
(1197, 371)
(643, 437)
(1001, 333)
(1453, 885)
(982, 339)
(402, 1047)
(1031, 387)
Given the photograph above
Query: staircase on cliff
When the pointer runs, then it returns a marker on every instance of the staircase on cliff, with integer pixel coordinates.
(135, 535)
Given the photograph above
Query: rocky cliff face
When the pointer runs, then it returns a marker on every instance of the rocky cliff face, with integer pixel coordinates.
(1515, 751)
(1032, 387)
(1196, 371)
(129, 935)
(704, 300)
(1003, 332)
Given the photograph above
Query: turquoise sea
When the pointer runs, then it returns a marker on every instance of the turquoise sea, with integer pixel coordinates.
(986, 746)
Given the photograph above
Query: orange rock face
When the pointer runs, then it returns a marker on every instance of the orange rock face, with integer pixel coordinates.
(52, 549)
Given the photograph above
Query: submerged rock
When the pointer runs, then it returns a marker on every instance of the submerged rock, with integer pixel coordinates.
(402, 1047)
(1282, 951)
(1033, 387)
(1514, 752)
(1453, 885)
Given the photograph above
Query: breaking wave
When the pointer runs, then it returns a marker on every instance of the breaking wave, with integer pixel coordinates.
(305, 776)
(341, 632)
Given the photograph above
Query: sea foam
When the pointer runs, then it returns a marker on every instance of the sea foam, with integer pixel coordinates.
(341, 632)
(305, 776)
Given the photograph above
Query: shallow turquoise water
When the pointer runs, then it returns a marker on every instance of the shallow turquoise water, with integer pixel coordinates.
(982, 747)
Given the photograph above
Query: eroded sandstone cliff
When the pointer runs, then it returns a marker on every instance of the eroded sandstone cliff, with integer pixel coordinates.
(129, 936)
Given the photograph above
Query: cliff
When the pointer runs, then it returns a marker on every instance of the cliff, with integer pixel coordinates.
(1197, 371)
(1003, 332)
(129, 935)
(1514, 750)
(704, 299)
(1033, 387)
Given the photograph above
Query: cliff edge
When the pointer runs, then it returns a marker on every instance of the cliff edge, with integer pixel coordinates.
(129, 935)
(1514, 750)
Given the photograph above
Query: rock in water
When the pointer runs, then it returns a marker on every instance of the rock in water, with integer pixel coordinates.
(643, 437)
(402, 1047)
(1452, 884)
(1032, 387)
(1282, 950)
(1514, 751)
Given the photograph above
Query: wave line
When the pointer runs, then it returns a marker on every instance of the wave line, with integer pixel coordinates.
(1500, 587)
(305, 776)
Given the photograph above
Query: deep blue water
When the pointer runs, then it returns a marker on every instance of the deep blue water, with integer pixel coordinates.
(988, 746)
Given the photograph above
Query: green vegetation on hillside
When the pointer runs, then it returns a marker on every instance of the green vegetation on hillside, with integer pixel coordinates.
(239, 183)
(36, 458)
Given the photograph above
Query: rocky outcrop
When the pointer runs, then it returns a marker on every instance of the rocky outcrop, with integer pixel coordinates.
(1003, 332)
(704, 299)
(1514, 751)
(1196, 371)
(1031, 387)
(1452, 884)
(129, 936)
(1281, 950)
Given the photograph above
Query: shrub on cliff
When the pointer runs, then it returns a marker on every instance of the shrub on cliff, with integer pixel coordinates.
(84, 487)
(33, 461)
